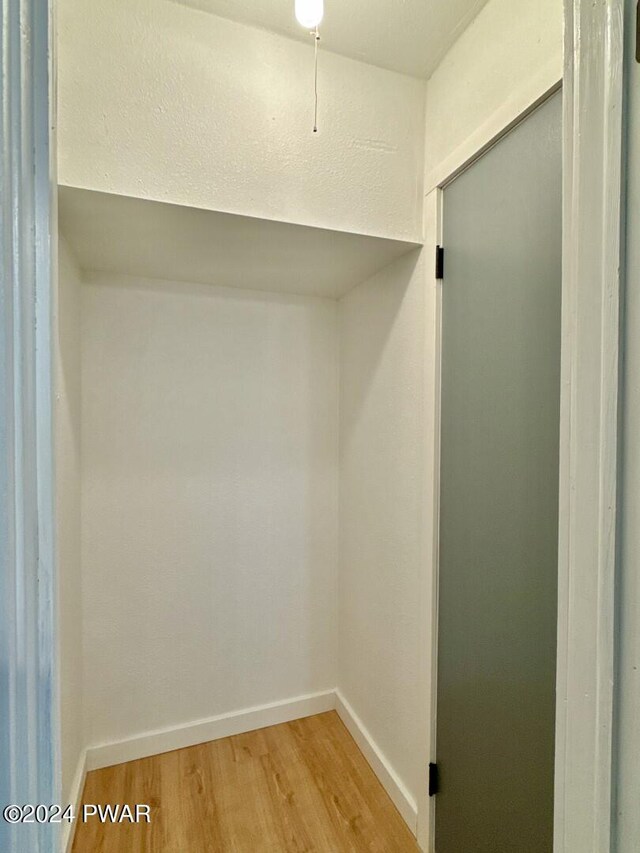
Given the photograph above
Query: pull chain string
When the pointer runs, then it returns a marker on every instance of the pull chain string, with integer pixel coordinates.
(315, 82)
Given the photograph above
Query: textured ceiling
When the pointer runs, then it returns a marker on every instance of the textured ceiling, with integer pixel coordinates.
(410, 36)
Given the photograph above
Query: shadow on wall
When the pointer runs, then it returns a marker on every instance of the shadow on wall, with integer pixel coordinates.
(371, 323)
(382, 453)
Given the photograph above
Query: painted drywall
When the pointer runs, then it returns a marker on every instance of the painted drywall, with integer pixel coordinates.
(626, 775)
(382, 441)
(160, 100)
(209, 446)
(68, 527)
(506, 59)
(133, 236)
(210, 506)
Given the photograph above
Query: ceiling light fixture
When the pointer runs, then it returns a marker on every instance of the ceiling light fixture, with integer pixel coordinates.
(309, 14)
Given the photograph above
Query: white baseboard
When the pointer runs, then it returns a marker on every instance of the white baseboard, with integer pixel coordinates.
(247, 720)
(213, 728)
(388, 778)
(75, 798)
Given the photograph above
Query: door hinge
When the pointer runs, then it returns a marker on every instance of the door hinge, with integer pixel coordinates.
(638, 32)
(434, 780)
(439, 263)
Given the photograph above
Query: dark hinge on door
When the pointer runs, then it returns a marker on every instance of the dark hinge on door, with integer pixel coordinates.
(434, 782)
(638, 32)
(439, 262)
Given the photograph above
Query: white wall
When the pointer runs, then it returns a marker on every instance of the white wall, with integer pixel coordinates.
(382, 432)
(209, 501)
(627, 749)
(210, 416)
(68, 534)
(506, 59)
(160, 100)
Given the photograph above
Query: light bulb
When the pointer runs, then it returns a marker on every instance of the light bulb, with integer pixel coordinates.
(309, 12)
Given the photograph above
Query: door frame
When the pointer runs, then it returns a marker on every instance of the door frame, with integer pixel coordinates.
(500, 127)
(590, 349)
(29, 735)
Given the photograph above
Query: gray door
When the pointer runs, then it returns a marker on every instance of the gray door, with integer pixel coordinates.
(499, 495)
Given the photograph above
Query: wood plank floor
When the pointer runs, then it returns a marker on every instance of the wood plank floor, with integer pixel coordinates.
(300, 786)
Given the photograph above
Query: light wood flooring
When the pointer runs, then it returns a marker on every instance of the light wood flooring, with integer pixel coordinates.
(300, 786)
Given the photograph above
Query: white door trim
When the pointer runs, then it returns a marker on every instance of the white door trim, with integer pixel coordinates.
(523, 98)
(501, 124)
(589, 423)
(589, 430)
(28, 688)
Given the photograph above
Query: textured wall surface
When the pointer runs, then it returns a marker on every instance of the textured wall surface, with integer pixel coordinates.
(508, 56)
(160, 100)
(210, 416)
(68, 489)
(381, 509)
(209, 501)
